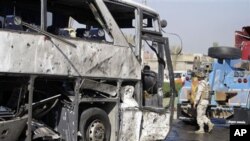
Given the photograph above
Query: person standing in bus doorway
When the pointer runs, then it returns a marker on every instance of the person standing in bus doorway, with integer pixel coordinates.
(201, 103)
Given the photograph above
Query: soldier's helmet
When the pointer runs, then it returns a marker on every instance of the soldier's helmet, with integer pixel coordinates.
(200, 74)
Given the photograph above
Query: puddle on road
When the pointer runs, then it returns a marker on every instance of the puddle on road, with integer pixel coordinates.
(184, 132)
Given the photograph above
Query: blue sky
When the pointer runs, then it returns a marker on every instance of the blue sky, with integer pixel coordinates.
(202, 22)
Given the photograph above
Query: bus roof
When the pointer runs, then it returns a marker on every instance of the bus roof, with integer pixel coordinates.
(136, 4)
(125, 2)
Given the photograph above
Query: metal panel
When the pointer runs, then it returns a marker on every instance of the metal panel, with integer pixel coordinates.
(36, 54)
(101, 87)
(130, 124)
(155, 126)
(9, 128)
(66, 125)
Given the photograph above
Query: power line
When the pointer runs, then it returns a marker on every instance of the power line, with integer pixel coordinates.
(179, 37)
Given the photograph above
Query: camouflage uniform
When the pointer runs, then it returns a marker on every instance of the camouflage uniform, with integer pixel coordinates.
(202, 101)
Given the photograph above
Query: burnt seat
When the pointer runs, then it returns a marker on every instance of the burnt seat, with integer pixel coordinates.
(80, 32)
(10, 23)
(149, 81)
(97, 34)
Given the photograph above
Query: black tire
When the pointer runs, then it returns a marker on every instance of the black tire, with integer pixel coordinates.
(224, 52)
(91, 115)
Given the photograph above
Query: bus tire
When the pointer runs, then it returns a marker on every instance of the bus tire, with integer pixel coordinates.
(224, 52)
(94, 125)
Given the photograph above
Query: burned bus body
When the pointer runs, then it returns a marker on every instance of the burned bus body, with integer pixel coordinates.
(69, 71)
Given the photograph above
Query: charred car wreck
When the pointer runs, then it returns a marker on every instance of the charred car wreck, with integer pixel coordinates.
(69, 71)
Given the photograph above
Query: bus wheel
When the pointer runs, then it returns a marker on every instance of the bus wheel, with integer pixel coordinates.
(95, 125)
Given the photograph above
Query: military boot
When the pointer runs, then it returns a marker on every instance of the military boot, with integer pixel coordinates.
(210, 126)
(200, 131)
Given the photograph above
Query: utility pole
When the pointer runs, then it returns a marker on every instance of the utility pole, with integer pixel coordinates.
(144, 2)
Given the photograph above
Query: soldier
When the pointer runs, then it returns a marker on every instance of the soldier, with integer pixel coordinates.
(201, 102)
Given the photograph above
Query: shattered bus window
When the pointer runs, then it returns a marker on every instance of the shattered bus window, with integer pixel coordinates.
(125, 17)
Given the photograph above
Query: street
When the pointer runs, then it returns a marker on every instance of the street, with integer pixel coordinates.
(185, 132)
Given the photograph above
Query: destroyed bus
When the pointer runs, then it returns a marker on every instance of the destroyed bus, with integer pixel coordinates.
(72, 70)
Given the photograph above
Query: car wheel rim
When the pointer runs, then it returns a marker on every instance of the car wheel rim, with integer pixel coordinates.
(96, 131)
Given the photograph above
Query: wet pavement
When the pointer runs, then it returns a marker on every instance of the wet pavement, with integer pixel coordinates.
(185, 132)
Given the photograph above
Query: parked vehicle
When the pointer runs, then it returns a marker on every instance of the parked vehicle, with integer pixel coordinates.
(64, 82)
(180, 74)
(229, 79)
(177, 75)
